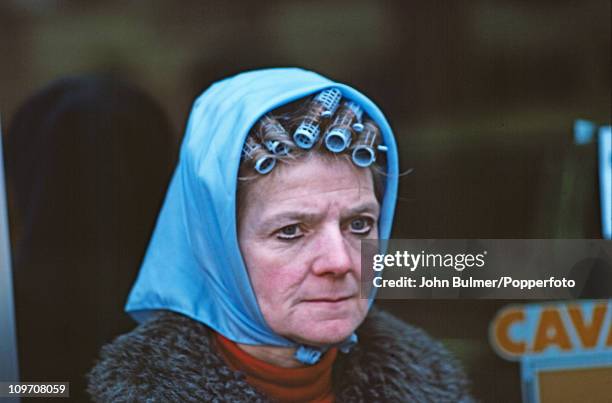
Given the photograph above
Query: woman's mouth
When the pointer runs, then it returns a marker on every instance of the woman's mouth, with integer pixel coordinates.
(330, 299)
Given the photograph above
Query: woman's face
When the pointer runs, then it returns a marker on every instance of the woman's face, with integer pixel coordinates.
(299, 234)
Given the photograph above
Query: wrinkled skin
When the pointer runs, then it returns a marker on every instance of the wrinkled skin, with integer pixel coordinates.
(299, 235)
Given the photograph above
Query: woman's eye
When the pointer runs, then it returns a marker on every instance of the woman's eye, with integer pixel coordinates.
(361, 225)
(289, 232)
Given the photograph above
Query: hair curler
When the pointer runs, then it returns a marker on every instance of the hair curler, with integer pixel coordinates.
(264, 163)
(364, 150)
(271, 133)
(277, 147)
(323, 105)
(339, 135)
(329, 99)
(356, 109)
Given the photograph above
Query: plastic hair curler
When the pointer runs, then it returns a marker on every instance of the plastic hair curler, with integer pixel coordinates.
(272, 130)
(364, 150)
(323, 105)
(264, 163)
(329, 99)
(357, 126)
(339, 135)
(276, 147)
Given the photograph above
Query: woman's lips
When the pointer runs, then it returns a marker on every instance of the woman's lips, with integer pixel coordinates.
(328, 299)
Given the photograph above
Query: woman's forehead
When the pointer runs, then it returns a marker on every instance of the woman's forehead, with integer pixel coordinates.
(313, 185)
(316, 174)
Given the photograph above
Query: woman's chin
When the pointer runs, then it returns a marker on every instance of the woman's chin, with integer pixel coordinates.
(325, 332)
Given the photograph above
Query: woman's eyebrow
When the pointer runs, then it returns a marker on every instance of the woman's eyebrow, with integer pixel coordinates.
(302, 216)
(369, 207)
(290, 216)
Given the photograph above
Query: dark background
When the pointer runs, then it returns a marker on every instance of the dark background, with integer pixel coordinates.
(482, 95)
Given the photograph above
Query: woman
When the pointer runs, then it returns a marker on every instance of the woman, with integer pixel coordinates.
(250, 290)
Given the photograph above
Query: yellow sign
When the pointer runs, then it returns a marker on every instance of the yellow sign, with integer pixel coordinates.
(568, 327)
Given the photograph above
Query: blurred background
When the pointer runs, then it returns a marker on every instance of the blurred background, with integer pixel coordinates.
(482, 95)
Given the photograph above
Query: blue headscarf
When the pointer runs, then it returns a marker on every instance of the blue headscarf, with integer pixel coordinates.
(193, 265)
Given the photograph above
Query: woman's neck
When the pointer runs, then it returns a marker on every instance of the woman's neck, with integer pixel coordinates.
(279, 356)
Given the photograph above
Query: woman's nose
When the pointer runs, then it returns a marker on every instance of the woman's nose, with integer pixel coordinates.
(333, 254)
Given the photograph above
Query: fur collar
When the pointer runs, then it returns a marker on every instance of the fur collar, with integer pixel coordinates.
(171, 359)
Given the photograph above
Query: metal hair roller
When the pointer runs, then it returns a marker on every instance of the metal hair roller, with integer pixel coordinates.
(364, 151)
